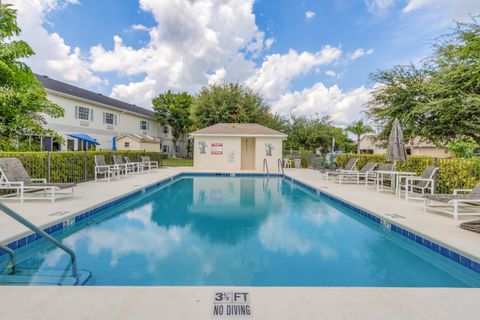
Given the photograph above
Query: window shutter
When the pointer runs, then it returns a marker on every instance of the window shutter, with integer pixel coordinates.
(76, 112)
(115, 119)
(91, 114)
(104, 117)
(148, 125)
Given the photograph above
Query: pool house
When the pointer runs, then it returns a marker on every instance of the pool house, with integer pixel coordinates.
(237, 146)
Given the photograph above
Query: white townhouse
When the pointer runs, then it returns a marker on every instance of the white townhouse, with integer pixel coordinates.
(92, 118)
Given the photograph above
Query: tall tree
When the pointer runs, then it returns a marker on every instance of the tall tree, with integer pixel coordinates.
(438, 100)
(23, 99)
(232, 103)
(359, 128)
(174, 110)
(310, 133)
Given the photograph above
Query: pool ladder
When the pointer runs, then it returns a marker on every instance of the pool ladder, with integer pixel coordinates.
(265, 166)
(280, 167)
(40, 232)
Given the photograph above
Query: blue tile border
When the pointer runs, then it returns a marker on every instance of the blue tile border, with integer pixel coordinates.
(427, 243)
(452, 255)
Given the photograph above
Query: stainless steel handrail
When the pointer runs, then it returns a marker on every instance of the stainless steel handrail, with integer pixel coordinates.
(11, 253)
(280, 166)
(43, 234)
(265, 165)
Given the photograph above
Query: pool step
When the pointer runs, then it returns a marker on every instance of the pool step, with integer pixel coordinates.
(47, 277)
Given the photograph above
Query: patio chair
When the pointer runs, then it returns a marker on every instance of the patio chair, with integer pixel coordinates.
(126, 167)
(451, 203)
(349, 167)
(138, 166)
(385, 178)
(365, 172)
(102, 168)
(13, 176)
(149, 163)
(418, 184)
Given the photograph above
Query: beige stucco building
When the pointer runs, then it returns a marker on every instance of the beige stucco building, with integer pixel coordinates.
(237, 146)
(369, 144)
(137, 142)
(102, 118)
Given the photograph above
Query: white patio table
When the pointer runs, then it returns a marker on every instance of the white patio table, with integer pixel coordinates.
(395, 181)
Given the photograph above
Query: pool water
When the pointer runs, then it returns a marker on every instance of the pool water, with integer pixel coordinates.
(243, 231)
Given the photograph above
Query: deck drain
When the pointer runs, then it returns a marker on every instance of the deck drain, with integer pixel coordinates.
(395, 216)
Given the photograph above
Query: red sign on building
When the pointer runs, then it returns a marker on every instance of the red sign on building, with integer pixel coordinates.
(217, 148)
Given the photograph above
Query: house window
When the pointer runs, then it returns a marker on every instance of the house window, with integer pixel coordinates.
(144, 125)
(165, 129)
(70, 144)
(408, 151)
(109, 118)
(84, 113)
(177, 149)
(165, 149)
(127, 144)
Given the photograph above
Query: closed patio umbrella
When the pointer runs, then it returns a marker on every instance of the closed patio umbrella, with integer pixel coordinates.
(396, 146)
(114, 144)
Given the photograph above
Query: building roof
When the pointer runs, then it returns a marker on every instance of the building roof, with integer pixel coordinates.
(138, 137)
(65, 88)
(237, 129)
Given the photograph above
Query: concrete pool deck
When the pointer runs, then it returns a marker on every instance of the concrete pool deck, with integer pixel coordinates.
(125, 303)
(266, 302)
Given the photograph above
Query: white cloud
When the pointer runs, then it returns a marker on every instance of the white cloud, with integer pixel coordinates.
(379, 6)
(139, 27)
(189, 41)
(53, 56)
(309, 14)
(277, 71)
(448, 10)
(342, 106)
(330, 73)
(359, 53)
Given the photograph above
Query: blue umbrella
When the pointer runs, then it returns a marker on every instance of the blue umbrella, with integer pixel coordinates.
(114, 144)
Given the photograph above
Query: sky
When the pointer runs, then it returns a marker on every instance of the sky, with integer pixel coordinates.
(306, 57)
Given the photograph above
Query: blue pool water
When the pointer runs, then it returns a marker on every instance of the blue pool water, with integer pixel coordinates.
(242, 231)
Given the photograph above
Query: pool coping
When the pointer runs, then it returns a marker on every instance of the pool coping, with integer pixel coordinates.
(446, 250)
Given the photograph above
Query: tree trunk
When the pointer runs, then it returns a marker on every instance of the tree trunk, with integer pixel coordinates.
(358, 144)
(174, 153)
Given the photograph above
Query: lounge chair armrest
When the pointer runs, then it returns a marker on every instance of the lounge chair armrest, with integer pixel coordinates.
(456, 191)
(41, 180)
(465, 200)
(12, 184)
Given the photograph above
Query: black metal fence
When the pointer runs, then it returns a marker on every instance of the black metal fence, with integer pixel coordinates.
(71, 166)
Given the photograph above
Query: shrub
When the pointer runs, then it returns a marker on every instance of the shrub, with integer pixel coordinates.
(452, 173)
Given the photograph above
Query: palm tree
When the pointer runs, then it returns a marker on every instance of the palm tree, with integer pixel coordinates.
(358, 128)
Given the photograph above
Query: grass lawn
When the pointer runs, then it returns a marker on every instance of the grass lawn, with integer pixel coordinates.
(171, 162)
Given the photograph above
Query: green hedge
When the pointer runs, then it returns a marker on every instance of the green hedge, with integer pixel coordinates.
(71, 166)
(452, 173)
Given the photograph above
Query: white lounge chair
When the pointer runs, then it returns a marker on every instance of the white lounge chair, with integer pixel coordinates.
(105, 170)
(349, 167)
(149, 163)
(418, 184)
(384, 178)
(365, 172)
(456, 203)
(137, 166)
(126, 167)
(13, 176)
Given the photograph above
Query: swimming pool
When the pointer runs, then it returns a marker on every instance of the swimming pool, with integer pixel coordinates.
(241, 231)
